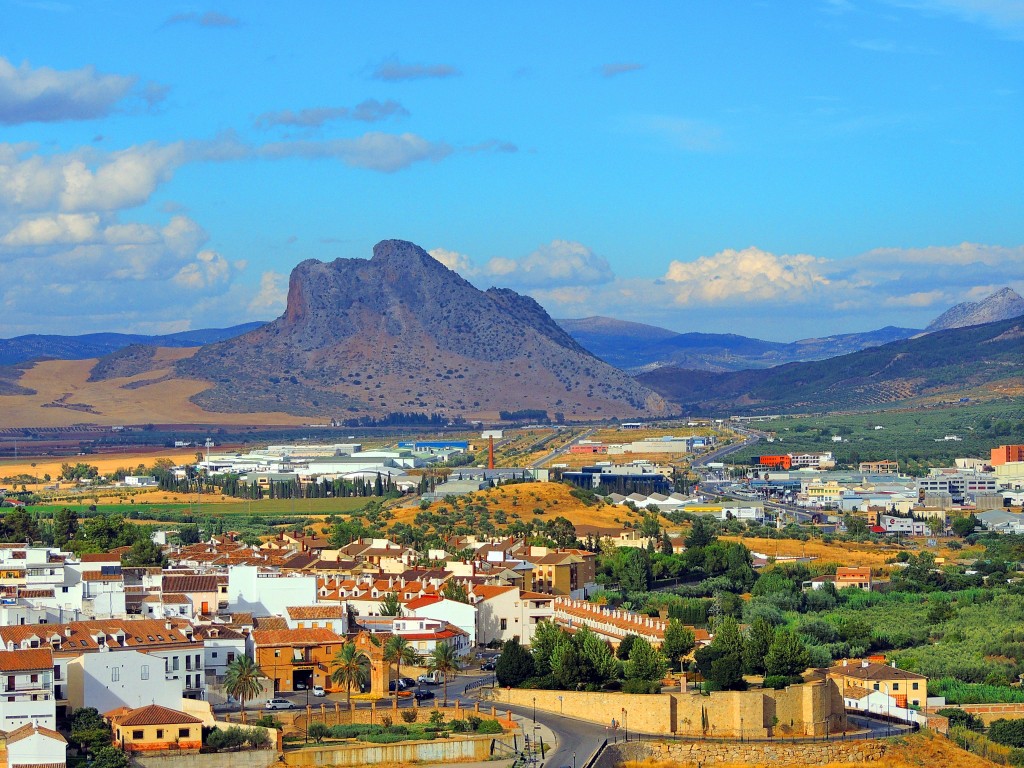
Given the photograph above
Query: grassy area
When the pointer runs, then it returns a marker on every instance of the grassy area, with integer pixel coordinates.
(914, 438)
(241, 509)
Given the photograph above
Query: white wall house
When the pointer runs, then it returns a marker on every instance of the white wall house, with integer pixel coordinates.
(27, 689)
(34, 745)
(461, 615)
(424, 635)
(254, 590)
(111, 679)
(221, 646)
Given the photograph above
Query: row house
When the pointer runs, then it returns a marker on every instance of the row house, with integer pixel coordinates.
(424, 635)
(454, 612)
(613, 625)
(177, 650)
(321, 616)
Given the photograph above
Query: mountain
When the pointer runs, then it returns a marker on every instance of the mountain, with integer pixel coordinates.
(402, 333)
(638, 348)
(35, 346)
(1004, 304)
(942, 365)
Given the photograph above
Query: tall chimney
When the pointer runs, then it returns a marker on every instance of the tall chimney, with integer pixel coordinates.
(490, 452)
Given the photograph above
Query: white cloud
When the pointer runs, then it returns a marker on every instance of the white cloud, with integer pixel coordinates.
(272, 296)
(209, 270)
(559, 263)
(455, 261)
(750, 274)
(50, 230)
(47, 95)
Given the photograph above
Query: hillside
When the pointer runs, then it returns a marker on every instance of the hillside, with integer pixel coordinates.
(400, 332)
(637, 347)
(1004, 304)
(981, 360)
(35, 346)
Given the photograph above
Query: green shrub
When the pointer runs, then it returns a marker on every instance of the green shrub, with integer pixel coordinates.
(641, 686)
(459, 726)
(385, 738)
(403, 729)
(386, 720)
(489, 726)
(410, 715)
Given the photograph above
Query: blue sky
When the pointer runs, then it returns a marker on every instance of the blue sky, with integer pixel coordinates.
(773, 169)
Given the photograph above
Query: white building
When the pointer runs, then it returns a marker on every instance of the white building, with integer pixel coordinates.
(507, 612)
(454, 612)
(111, 679)
(32, 746)
(424, 635)
(332, 616)
(28, 689)
(254, 590)
(221, 646)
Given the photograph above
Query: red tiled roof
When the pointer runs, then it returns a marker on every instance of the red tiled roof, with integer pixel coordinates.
(154, 714)
(26, 660)
(422, 602)
(97, 576)
(147, 633)
(487, 591)
(30, 729)
(100, 557)
(299, 612)
(189, 584)
(314, 636)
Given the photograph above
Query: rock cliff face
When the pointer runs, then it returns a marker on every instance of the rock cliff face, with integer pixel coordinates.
(1004, 304)
(400, 332)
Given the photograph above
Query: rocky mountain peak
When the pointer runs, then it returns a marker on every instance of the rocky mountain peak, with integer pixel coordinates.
(1004, 304)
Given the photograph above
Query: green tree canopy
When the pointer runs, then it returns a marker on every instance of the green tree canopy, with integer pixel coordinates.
(514, 665)
(679, 641)
(787, 656)
(645, 662)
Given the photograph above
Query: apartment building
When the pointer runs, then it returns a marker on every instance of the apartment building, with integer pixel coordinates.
(28, 695)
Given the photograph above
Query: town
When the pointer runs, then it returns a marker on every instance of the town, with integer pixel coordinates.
(683, 603)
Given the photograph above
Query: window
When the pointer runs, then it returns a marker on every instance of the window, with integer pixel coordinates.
(504, 624)
(876, 686)
(145, 671)
(231, 657)
(277, 653)
(184, 733)
(913, 686)
(115, 674)
(159, 733)
(895, 686)
(174, 663)
(137, 734)
(215, 654)
(34, 678)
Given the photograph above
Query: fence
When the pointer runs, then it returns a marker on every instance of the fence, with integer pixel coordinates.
(981, 745)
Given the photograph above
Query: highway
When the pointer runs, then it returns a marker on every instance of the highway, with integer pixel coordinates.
(564, 449)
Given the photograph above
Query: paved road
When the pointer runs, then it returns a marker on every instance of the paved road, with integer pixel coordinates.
(749, 438)
(571, 736)
(559, 451)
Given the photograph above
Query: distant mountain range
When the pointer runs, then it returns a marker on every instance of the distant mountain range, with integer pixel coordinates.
(36, 346)
(946, 364)
(640, 348)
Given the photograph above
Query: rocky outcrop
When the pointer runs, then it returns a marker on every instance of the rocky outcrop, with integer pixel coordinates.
(401, 333)
(1004, 304)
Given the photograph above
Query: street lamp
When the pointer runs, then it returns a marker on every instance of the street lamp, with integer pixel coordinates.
(573, 760)
(534, 710)
(625, 724)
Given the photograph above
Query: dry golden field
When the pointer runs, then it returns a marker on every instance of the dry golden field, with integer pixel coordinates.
(65, 396)
(522, 499)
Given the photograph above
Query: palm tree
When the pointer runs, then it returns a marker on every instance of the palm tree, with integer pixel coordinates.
(242, 680)
(399, 651)
(445, 660)
(350, 666)
(390, 605)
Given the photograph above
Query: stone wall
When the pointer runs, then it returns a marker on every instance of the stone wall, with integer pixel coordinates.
(259, 758)
(717, 753)
(474, 748)
(810, 709)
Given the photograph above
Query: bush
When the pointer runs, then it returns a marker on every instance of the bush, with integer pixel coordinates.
(396, 729)
(436, 717)
(960, 719)
(385, 738)
(641, 686)
(778, 682)
(459, 726)
(473, 722)
(410, 715)
(1009, 733)
(386, 720)
(317, 731)
(489, 726)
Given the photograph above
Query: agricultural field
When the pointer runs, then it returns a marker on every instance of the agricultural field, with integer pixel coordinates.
(914, 438)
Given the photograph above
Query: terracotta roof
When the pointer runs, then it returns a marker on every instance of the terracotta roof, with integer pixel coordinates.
(154, 714)
(26, 660)
(219, 632)
(299, 612)
(486, 591)
(189, 584)
(147, 633)
(35, 593)
(422, 602)
(100, 557)
(97, 576)
(873, 671)
(536, 596)
(314, 636)
(270, 623)
(29, 729)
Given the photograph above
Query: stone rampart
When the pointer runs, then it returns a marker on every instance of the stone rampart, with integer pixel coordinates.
(736, 753)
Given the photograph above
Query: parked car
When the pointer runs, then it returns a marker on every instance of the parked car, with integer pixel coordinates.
(278, 704)
(300, 686)
(488, 666)
(318, 690)
(408, 682)
(430, 678)
(423, 693)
